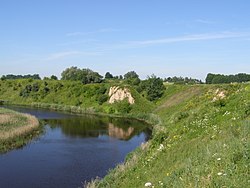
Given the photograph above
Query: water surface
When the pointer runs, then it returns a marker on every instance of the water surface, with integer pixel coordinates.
(73, 149)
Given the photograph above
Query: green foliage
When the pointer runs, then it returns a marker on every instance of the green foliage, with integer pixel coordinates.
(102, 90)
(53, 77)
(86, 76)
(131, 75)
(102, 99)
(181, 80)
(108, 75)
(154, 87)
(220, 78)
(14, 77)
(123, 107)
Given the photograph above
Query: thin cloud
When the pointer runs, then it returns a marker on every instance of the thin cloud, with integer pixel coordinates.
(197, 37)
(62, 55)
(103, 30)
(203, 21)
(87, 41)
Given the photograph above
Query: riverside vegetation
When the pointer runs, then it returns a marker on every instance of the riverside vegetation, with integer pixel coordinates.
(200, 132)
(16, 129)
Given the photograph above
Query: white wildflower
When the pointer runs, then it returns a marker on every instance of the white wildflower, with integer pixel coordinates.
(161, 147)
(219, 173)
(148, 184)
(219, 159)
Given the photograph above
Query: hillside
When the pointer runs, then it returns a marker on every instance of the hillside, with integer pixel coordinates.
(202, 140)
(69, 96)
(200, 132)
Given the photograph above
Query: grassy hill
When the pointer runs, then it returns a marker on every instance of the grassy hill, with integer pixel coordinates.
(200, 136)
(202, 140)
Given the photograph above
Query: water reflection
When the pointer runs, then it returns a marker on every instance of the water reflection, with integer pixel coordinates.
(90, 126)
(73, 149)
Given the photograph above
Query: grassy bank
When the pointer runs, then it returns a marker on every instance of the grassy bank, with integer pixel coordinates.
(16, 129)
(203, 140)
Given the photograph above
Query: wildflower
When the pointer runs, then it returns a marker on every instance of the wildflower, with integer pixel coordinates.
(160, 183)
(148, 184)
(161, 147)
(219, 159)
(219, 173)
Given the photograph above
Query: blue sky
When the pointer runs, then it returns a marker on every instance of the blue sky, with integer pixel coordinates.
(164, 37)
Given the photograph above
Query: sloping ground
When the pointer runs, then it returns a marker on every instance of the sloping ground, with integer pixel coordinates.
(179, 97)
(203, 143)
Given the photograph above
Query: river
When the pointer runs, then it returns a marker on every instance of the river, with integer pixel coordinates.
(72, 150)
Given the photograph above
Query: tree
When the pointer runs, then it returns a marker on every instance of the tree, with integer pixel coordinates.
(72, 73)
(53, 77)
(220, 78)
(108, 75)
(154, 88)
(86, 76)
(209, 78)
(130, 75)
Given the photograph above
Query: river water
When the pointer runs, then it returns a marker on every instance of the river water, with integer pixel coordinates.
(72, 150)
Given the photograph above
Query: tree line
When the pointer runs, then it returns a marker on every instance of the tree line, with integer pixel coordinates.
(14, 77)
(182, 80)
(223, 79)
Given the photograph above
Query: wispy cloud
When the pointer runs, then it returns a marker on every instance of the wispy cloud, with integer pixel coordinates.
(203, 21)
(103, 30)
(77, 42)
(197, 37)
(61, 55)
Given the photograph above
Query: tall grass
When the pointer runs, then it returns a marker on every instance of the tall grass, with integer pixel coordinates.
(14, 128)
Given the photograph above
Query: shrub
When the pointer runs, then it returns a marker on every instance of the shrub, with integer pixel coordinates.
(102, 99)
(123, 106)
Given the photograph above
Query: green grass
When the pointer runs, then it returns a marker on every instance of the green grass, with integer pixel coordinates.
(201, 142)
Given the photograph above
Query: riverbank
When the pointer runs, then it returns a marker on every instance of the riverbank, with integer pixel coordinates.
(16, 129)
(202, 140)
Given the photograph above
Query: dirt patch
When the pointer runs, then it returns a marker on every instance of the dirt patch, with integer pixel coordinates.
(119, 94)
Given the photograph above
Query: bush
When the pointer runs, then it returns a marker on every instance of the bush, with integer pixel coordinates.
(123, 107)
(102, 99)
(102, 90)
